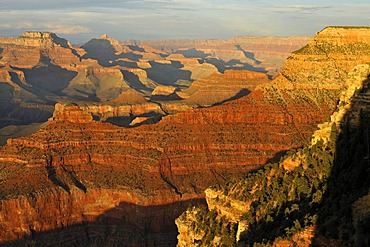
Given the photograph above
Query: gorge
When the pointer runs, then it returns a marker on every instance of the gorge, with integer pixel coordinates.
(137, 131)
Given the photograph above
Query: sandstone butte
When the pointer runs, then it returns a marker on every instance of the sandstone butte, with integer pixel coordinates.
(82, 182)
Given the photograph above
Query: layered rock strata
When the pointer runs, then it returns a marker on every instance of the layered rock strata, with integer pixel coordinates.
(247, 208)
(163, 164)
(172, 161)
(238, 202)
(219, 88)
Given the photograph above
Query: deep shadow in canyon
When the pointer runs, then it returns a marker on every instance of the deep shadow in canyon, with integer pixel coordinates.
(223, 65)
(241, 93)
(48, 78)
(125, 225)
(349, 181)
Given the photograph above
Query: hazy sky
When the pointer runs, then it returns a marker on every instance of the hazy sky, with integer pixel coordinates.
(80, 20)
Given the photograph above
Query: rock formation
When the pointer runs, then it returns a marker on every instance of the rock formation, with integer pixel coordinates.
(294, 200)
(219, 88)
(73, 114)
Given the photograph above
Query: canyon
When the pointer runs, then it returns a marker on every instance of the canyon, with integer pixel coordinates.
(83, 179)
(40, 69)
(135, 132)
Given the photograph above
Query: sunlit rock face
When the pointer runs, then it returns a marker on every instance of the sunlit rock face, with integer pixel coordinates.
(219, 88)
(327, 59)
(74, 161)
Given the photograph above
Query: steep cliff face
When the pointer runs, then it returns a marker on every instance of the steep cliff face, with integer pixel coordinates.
(27, 50)
(171, 161)
(296, 197)
(85, 175)
(327, 59)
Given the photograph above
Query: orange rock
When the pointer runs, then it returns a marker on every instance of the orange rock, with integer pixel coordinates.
(73, 114)
(219, 88)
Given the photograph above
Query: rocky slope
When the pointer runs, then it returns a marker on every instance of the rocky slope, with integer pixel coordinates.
(327, 59)
(294, 200)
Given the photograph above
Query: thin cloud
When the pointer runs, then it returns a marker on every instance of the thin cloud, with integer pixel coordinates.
(56, 28)
(87, 4)
(299, 9)
(68, 29)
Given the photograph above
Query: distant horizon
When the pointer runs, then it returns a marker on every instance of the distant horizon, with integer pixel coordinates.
(81, 20)
(143, 40)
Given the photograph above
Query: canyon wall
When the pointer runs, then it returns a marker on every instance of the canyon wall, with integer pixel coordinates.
(294, 201)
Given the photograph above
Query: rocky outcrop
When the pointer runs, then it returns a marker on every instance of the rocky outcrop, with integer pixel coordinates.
(96, 83)
(73, 114)
(197, 66)
(327, 59)
(129, 97)
(219, 88)
(163, 91)
(37, 46)
(103, 112)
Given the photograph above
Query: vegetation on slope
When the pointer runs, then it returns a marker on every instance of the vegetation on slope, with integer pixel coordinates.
(281, 202)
